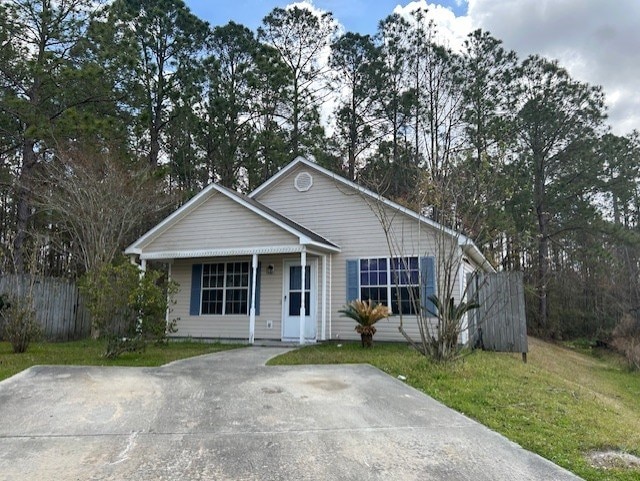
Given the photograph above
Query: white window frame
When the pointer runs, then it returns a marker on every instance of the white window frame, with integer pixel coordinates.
(224, 288)
(390, 284)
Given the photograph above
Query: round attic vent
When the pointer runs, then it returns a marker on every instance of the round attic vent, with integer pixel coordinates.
(303, 181)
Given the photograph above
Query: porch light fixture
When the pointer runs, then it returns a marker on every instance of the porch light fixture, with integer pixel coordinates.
(270, 269)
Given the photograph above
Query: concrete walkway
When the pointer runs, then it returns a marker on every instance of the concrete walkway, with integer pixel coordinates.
(226, 416)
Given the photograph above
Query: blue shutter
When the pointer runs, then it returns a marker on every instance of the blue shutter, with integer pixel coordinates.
(428, 283)
(196, 289)
(353, 277)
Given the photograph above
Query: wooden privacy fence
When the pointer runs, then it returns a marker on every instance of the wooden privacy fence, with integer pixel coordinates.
(500, 323)
(57, 302)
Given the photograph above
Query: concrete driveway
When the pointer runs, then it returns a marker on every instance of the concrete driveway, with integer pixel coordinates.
(226, 416)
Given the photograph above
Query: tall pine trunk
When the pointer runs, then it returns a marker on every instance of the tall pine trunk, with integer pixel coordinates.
(23, 207)
(543, 242)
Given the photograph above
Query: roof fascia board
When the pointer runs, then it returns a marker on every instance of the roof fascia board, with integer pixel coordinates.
(322, 246)
(228, 252)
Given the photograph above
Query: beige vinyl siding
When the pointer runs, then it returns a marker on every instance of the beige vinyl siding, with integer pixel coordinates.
(350, 220)
(220, 222)
(237, 326)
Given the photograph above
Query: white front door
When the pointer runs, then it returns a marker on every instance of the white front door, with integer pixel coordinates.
(293, 292)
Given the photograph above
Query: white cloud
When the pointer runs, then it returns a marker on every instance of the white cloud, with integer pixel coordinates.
(451, 30)
(597, 42)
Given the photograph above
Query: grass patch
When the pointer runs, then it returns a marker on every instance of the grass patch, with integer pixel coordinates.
(562, 404)
(89, 353)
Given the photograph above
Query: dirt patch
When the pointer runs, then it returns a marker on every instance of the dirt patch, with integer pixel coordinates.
(613, 460)
(327, 384)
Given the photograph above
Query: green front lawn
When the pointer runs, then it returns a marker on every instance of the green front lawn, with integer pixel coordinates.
(561, 404)
(89, 352)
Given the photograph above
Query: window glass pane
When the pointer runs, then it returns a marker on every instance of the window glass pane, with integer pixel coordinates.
(212, 301)
(375, 273)
(405, 305)
(295, 298)
(295, 277)
(375, 294)
(236, 302)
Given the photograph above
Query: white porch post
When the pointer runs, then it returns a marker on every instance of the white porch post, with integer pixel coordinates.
(142, 268)
(330, 292)
(324, 298)
(303, 312)
(166, 317)
(252, 310)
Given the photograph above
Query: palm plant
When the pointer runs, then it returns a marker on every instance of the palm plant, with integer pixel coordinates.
(450, 316)
(366, 314)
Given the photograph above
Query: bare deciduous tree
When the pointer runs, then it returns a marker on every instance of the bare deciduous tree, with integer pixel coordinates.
(98, 203)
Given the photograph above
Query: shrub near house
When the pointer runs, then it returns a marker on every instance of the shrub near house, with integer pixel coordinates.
(127, 309)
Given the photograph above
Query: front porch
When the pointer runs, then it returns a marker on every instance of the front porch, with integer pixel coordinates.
(254, 294)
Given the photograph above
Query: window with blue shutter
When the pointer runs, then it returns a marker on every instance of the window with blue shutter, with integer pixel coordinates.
(222, 288)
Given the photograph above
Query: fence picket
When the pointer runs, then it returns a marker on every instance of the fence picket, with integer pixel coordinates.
(57, 303)
(501, 314)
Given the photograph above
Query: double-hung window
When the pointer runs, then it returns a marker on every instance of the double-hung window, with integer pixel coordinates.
(225, 288)
(394, 282)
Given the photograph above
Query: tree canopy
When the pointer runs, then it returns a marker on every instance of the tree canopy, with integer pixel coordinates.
(144, 89)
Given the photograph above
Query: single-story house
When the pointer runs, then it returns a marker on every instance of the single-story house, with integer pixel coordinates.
(279, 263)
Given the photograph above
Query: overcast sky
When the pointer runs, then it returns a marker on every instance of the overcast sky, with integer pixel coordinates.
(597, 41)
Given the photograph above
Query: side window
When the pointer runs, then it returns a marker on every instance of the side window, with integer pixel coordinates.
(394, 282)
